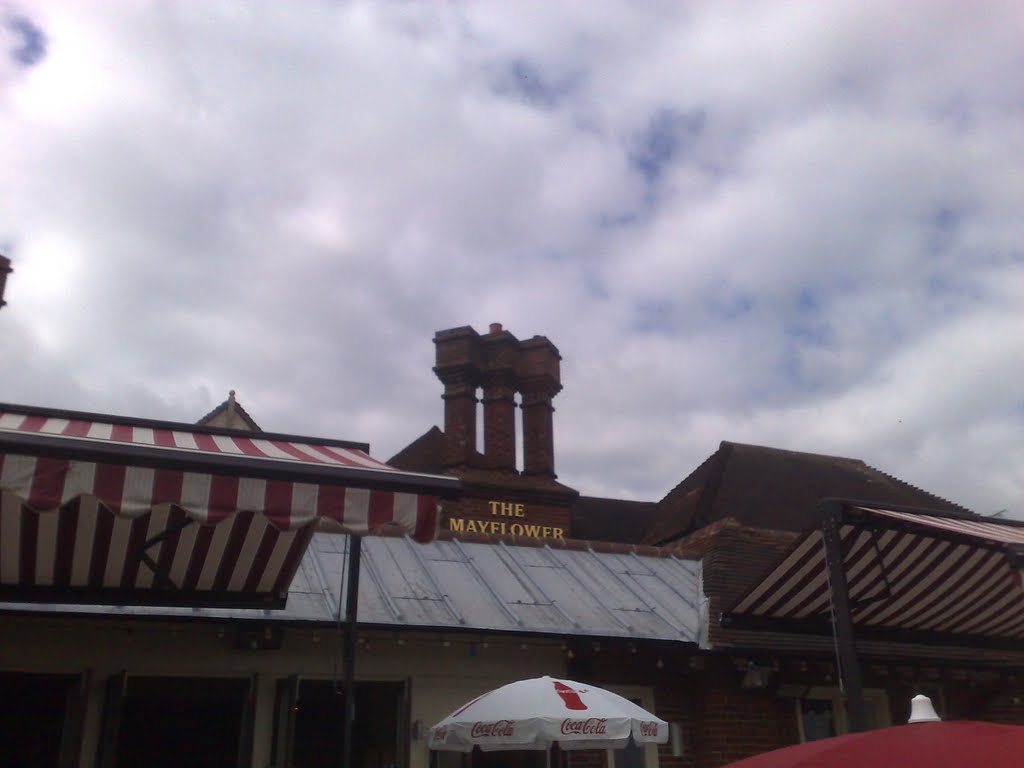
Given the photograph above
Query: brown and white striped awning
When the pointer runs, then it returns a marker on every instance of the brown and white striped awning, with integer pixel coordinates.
(909, 574)
(102, 508)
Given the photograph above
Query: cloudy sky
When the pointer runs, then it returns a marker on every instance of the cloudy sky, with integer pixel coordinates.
(786, 223)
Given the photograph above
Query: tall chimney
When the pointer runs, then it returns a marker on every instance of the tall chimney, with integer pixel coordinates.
(457, 355)
(539, 381)
(5, 270)
(500, 361)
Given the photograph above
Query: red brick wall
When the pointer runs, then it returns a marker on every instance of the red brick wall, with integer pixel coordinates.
(733, 723)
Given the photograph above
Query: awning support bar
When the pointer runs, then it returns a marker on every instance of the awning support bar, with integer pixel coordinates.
(159, 574)
(355, 547)
(849, 665)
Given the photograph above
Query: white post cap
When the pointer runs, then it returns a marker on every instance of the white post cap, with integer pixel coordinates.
(922, 711)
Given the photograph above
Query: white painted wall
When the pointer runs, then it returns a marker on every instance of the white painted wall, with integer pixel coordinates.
(441, 676)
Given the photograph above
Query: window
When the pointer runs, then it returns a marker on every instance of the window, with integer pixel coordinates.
(318, 717)
(166, 722)
(821, 712)
(33, 718)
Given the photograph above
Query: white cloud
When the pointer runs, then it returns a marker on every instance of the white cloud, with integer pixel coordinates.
(788, 224)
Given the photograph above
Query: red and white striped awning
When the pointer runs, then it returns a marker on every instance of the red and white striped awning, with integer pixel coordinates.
(102, 507)
(908, 574)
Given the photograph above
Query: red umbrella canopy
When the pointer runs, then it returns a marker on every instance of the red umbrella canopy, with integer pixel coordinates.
(953, 744)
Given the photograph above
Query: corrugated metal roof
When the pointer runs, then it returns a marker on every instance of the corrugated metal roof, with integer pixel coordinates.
(478, 586)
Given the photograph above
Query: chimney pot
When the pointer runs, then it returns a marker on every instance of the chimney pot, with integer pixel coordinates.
(495, 327)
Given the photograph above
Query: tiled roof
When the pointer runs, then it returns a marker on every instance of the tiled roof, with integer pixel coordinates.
(775, 488)
(599, 519)
(424, 454)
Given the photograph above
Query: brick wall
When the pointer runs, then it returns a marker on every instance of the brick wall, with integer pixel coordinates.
(733, 723)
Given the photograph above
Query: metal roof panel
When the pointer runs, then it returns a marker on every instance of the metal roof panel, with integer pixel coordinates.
(477, 586)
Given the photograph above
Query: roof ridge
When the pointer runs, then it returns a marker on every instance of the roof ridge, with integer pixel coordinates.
(776, 449)
(918, 489)
(613, 499)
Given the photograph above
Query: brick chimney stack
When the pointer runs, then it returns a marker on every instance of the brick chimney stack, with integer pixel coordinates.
(458, 367)
(539, 381)
(500, 365)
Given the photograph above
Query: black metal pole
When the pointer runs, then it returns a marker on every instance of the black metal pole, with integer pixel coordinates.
(831, 520)
(349, 648)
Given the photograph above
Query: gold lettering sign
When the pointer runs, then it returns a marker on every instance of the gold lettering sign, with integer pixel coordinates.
(506, 509)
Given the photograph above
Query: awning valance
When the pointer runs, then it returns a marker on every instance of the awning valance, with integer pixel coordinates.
(105, 507)
(919, 576)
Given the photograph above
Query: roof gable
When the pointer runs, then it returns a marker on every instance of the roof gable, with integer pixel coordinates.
(231, 415)
(424, 454)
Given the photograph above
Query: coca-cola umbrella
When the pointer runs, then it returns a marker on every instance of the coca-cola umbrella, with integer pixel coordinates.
(534, 714)
(927, 743)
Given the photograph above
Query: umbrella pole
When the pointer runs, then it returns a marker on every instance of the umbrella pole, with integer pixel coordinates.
(842, 628)
(349, 648)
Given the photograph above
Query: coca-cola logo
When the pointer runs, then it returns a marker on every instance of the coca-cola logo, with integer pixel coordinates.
(495, 728)
(591, 726)
(648, 728)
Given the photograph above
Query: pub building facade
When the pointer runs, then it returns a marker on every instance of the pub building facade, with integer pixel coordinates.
(746, 688)
(527, 577)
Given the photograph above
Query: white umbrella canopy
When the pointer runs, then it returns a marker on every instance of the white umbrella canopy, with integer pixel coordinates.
(534, 714)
